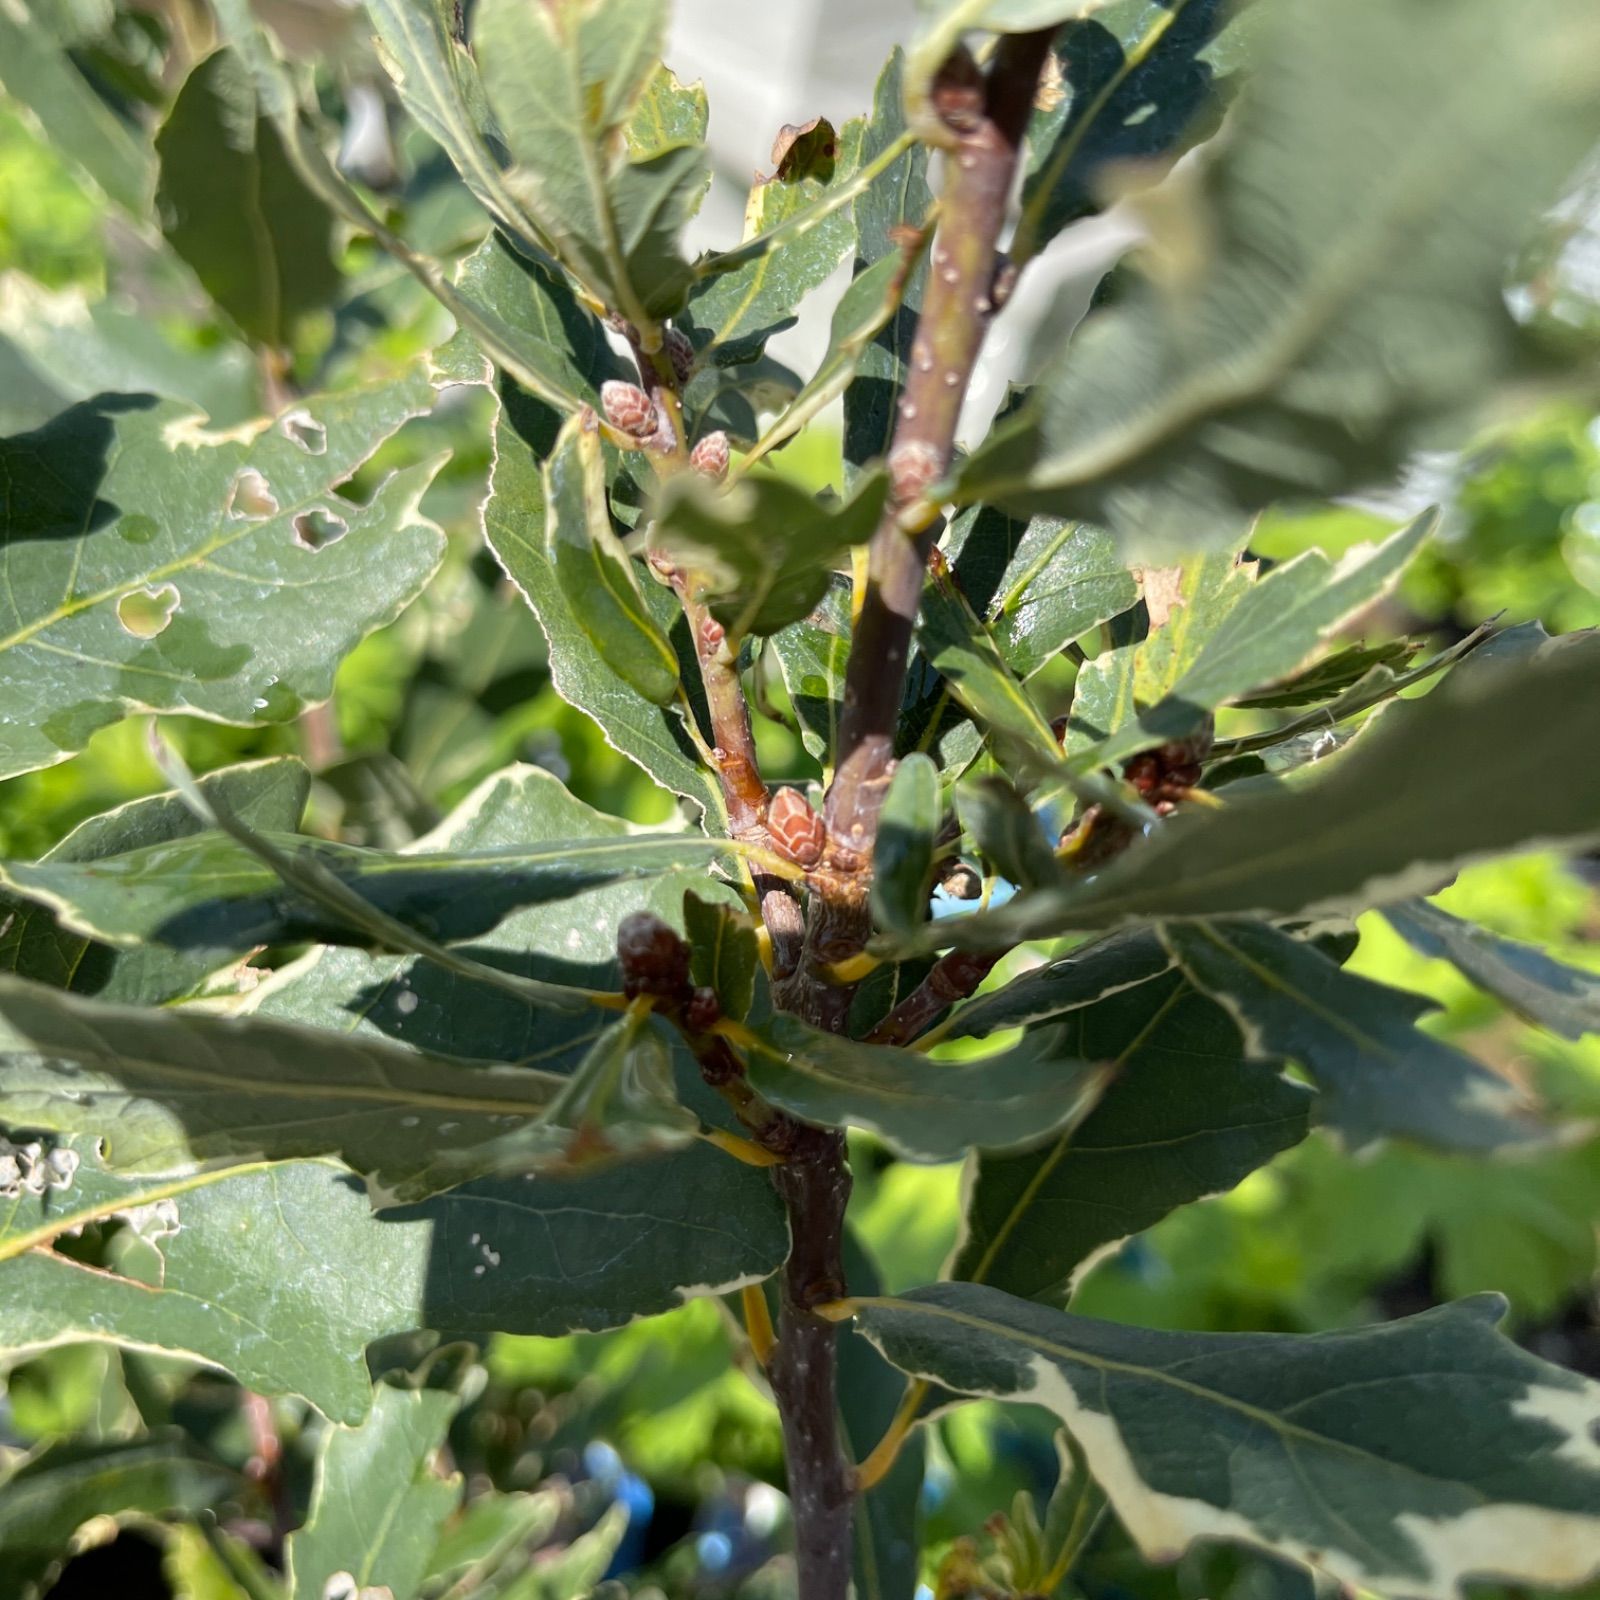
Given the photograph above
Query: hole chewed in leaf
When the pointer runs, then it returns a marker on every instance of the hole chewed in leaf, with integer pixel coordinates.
(317, 528)
(303, 429)
(252, 497)
(146, 612)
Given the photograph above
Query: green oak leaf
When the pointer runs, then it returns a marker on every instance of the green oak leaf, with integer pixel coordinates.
(1377, 1073)
(903, 855)
(900, 197)
(923, 1110)
(1536, 986)
(562, 78)
(1007, 833)
(1187, 1115)
(237, 1285)
(731, 315)
(724, 951)
(1117, 95)
(1228, 633)
(667, 113)
(761, 552)
(34, 943)
(377, 1506)
(654, 737)
(1393, 816)
(812, 656)
(1400, 1458)
(39, 76)
(220, 574)
(595, 574)
(1274, 347)
(50, 1494)
(233, 206)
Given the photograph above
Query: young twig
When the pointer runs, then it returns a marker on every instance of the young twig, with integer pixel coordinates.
(985, 119)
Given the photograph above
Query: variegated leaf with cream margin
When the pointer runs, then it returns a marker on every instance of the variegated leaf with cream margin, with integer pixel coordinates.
(151, 564)
(1404, 1457)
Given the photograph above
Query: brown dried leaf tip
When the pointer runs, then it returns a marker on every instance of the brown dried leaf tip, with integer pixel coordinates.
(710, 456)
(628, 407)
(653, 959)
(798, 833)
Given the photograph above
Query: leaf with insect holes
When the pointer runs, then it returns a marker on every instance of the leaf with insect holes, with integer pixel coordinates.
(234, 208)
(36, 944)
(40, 78)
(1228, 634)
(149, 564)
(49, 1495)
(761, 553)
(377, 1506)
(731, 315)
(1391, 818)
(1399, 1458)
(1187, 1115)
(654, 737)
(903, 855)
(563, 79)
(898, 199)
(924, 1110)
(1129, 86)
(1377, 1073)
(1326, 293)
(595, 574)
(1536, 986)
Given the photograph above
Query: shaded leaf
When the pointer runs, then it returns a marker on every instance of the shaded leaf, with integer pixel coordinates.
(899, 198)
(1534, 985)
(654, 737)
(51, 1494)
(1377, 1073)
(1401, 1458)
(812, 655)
(34, 944)
(1186, 1116)
(1010, 837)
(903, 855)
(724, 951)
(233, 206)
(149, 564)
(1251, 360)
(1392, 817)
(1140, 94)
(668, 113)
(761, 552)
(924, 1110)
(377, 1507)
(595, 574)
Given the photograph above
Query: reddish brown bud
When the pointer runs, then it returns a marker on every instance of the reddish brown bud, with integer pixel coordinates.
(702, 1011)
(957, 91)
(798, 833)
(1143, 771)
(628, 407)
(654, 960)
(712, 634)
(680, 352)
(710, 456)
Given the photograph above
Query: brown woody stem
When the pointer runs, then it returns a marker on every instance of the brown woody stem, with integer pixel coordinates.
(952, 978)
(986, 134)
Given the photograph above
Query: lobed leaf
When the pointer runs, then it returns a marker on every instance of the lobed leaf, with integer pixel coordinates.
(151, 565)
(1401, 1458)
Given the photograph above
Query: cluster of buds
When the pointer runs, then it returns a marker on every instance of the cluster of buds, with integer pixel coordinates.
(1164, 776)
(798, 833)
(655, 961)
